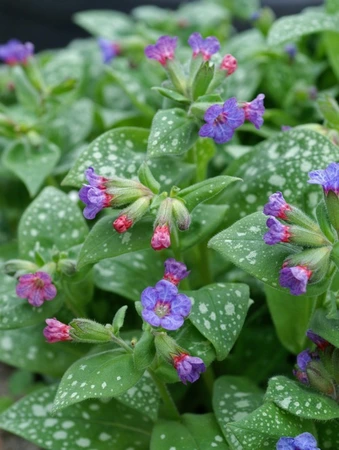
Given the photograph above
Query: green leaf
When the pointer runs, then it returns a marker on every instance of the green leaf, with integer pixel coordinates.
(332, 6)
(329, 108)
(104, 23)
(144, 267)
(326, 328)
(244, 8)
(234, 398)
(144, 351)
(198, 432)
(283, 308)
(104, 242)
(328, 434)
(65, 65)
(293, 27)
(202, 80)
(107, 374)
(118, 320)
(219, 312)
(20, 382)
(27, 349)
(93, 424)
(264, 427)
(31, 164)
(173, 95)
(200, 192)
(331, 44)
(172, 133)
(143, 397)
(300, 400)
(243, 245)
(51, 219)
(119, 153)
(16, 312)
(27, 95)
(280, 163)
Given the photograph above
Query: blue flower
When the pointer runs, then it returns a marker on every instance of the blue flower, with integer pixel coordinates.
(304, 441)
(254, 111)
(175, 271)
(328, 178)
(15, 52)
(277, 206)
(277, 232)
(109, 49)
(295, 279)
(94, 195)
(207, 47)
(188, 367)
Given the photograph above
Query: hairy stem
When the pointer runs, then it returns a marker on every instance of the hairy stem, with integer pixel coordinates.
(171, 408)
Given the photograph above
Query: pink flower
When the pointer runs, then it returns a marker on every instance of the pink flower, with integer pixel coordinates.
(36, 287)
(122, 224)
(229, 63)
(162, 50)
(161, 237)
(56, 331)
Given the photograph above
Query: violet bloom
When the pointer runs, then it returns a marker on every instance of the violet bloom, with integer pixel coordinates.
(161, 238)
(207, 47)
(36, 288)
(328, 178)
(304, 358)
(222, 120)
(163, 50)
(56, 331)
(188, 367)
(175, 271)
(164, 307)
(321, 343)
(277, 206)
(254, 111)
(94, 195)
(295, 279)
(304, 441)
(291, 50)
(109, 49)
(15, 52)
(277, 232)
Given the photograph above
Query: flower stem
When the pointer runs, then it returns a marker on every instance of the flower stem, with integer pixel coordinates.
(171, 408)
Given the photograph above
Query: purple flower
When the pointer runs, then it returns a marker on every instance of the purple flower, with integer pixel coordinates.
(15, 52)
(207, 47)
(291, 50)
(318, 340)
(285, 128)
(109, 49)
(254, 111)
(188, 367)
(304, 441)
(303, 359)
(162, 50)
(36, 287)
(164, 307)
(94, 195)
(277, 206)
(56, 331)
(295, 279)
(175, 271)
(328, 178)
(222, 120)
(277, 232)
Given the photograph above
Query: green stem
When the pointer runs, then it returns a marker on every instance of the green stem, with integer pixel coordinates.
(171, 408)
(204, 264)
(122, 343)
(209, 378)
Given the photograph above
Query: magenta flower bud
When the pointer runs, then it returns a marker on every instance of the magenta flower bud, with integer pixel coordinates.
(56, 331)
(161, 238)
(36, 288)
(206, 47)
(301, 376)
(277, 232)
(328, 178)
(164, 307)
(304, 441)
(295, 279)
(321, 343)
(15, 52)
(277, 206)
(109, 49)
(222, 120)
(254, 111)
(175, 271)
(229, 64)
(188, 367)
(163, 50)
(122, 224)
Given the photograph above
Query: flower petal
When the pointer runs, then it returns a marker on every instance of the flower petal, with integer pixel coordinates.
(166, 291)
(181, 305)
(149, 297)
(150, 317)
(172, 322)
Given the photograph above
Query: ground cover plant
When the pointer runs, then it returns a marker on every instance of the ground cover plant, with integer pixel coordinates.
(169, 232)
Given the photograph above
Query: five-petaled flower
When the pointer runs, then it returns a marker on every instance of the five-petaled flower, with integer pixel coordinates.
(277, 206)
(56, 331)
(229, 64)
(304, 441)
(295, 279)
(277, 232)
(188, 367)
(162, 50)
(15, 52)
(164, 307)
(109, 49)
(94, 195)
(254, 111)
(175, 271)
(36, 288)
(207, 47)
(328, 178)
(222, 120)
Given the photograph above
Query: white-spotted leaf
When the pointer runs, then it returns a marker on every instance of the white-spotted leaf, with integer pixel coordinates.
(104, 23)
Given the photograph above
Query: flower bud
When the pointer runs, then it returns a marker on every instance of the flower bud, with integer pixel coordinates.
(320, 380)
(167, 347)
(146, 177)
(19, 267)
(56, 331)
(161, 238)
(315, 260)
(181, 215)
(229, 64)
(131, 214)
(67, 266)
(85, 330)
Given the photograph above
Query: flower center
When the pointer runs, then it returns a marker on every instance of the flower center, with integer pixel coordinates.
(162, 308)
(222, 118)
(38, 283)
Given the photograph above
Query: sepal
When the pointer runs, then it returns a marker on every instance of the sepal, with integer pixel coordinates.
(85, 330)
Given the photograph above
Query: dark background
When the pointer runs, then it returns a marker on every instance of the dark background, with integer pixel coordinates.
(48, 24)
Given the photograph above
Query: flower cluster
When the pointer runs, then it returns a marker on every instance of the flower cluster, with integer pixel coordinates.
(15, 52)
(287, 224)
(305, 441)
